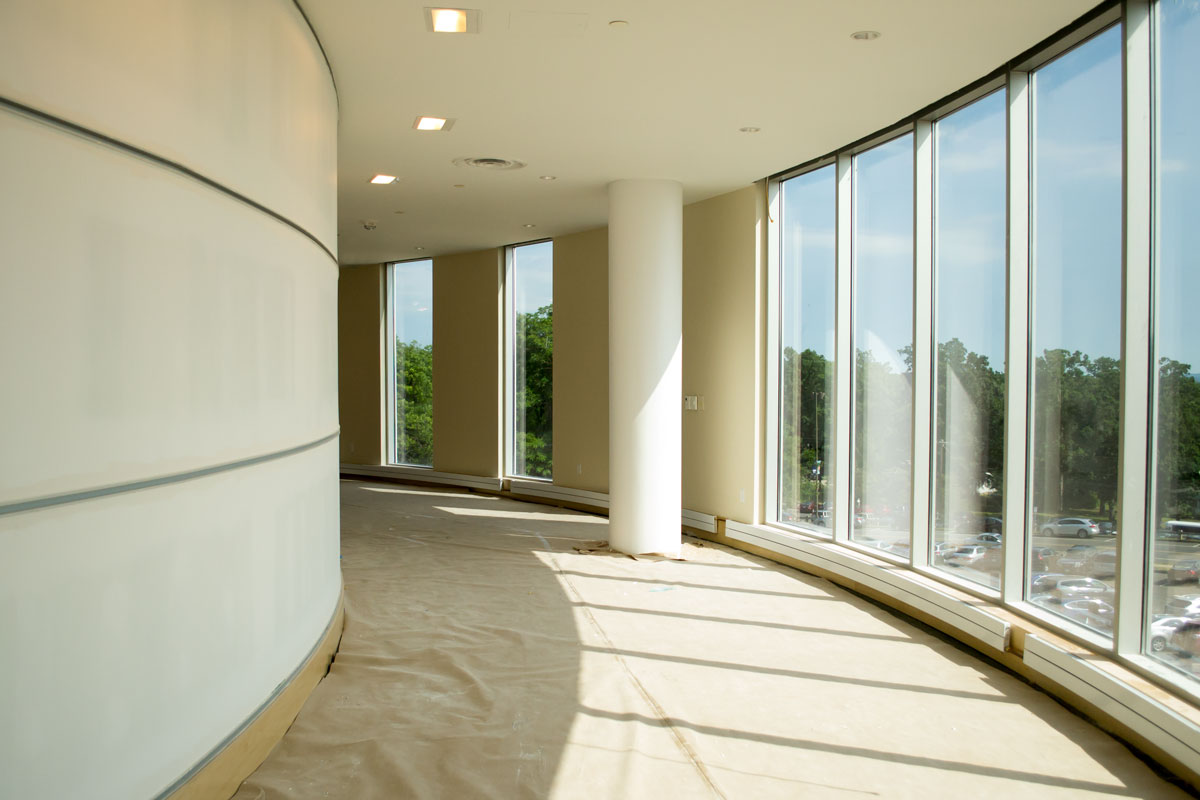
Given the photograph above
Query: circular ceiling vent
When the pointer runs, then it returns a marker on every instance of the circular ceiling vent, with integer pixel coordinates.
(494, 164)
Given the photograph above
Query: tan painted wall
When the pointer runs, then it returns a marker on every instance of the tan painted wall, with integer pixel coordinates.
(360, 363)
(467, 385)
(720, 336)
(581, 360)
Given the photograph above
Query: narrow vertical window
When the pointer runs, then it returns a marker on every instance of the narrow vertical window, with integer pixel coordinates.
(806, 351)
(1075, 331)
(882, 313)
(410, 362)
(969, 291)
(1173, 604)
(530, 303)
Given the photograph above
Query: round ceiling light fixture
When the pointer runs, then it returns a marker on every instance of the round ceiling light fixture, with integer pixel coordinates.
(529, 225)
(618, 23)
(865, 36)
(749, 129)
(547, 177)
(489, 163)
(418, 249)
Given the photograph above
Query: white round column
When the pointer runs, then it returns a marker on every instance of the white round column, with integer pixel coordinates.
(645, 364)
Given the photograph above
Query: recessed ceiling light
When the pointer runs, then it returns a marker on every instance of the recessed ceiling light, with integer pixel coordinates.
(750, 129)
(618, 23)
(547, 177)
(397, 212)
(460, 186)
(383, 180)
(865, 36)
(418, 248)
(529, 225)
(452, 20)
(432, 124)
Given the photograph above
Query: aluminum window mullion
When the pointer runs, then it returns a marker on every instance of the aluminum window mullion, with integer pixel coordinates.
(509, 338)
(1136, 362)
(775, 348)
(843, 400)
(389, 454)
(1016, 368)
(922, 386)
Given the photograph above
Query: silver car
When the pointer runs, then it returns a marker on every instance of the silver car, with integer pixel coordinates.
(1081, 527)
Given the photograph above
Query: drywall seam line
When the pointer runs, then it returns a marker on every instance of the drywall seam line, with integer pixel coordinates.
(146, 155)
(162, 480)
(258, 712)
(332, 79)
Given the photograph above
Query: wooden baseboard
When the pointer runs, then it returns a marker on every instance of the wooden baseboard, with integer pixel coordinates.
(224, 772)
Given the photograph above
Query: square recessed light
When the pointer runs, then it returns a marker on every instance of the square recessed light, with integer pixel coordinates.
(432, 124)
(383, 180)
(452, 20)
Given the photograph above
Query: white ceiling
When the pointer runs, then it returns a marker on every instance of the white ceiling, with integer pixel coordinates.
(552, 84)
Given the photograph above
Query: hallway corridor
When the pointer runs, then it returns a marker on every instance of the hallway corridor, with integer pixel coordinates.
(491, 649)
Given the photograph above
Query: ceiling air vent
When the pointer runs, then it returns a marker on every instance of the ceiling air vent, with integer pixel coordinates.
(494, 164)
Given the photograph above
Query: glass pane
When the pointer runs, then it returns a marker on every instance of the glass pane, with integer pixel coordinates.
(969, 289)
(412, 359)
(532, 287)
(1076, 331)
(882, 335)
(807, 284)
(1175, 548)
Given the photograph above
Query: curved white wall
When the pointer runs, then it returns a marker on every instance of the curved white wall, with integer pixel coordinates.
(168, 419)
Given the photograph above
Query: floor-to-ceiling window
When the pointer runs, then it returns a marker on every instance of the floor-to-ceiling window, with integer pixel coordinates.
(882, 321)
(1172, 631)
(529, 290)
(1075, 330)
(806, 348)
(969, 228)
(410, 362)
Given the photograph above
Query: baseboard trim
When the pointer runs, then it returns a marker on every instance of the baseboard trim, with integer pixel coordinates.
(421, 475)
(220, 773)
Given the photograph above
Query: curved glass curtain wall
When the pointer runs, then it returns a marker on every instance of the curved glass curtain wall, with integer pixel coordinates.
(1075, 331)
(1072, 322)
(808, 278)
(1172, 594)
(969, 232)
(881, 311)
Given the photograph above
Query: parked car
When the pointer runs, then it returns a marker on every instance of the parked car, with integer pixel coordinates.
(1161, 629)
(1091, 611)
(1108, 528)
(1080, 527)
(1077, 588)
(1104, 565)
(1077, 559)
(941, 550)
(988, 538)
(970, 555)
(1042, 558)
(1186, 569)
(1185, 640)
(1045, 583)
(1184, 605)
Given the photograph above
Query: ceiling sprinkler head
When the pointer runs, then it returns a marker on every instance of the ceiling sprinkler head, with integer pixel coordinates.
(369, 224)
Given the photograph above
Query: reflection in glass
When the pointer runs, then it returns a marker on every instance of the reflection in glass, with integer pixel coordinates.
(882, 335)
(531, 284)
(806, 330)
(969, 288)
(1075, 331)
(1174, 560)
(412, 362)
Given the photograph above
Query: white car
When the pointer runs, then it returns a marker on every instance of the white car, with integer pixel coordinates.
(1161, 630)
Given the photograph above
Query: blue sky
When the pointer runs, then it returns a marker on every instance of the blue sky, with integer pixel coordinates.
(412, 301)
(533, 276)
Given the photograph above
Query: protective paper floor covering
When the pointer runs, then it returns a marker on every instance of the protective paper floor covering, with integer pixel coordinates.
(484, 655)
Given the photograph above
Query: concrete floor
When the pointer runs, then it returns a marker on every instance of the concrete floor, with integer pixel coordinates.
(486, 653)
